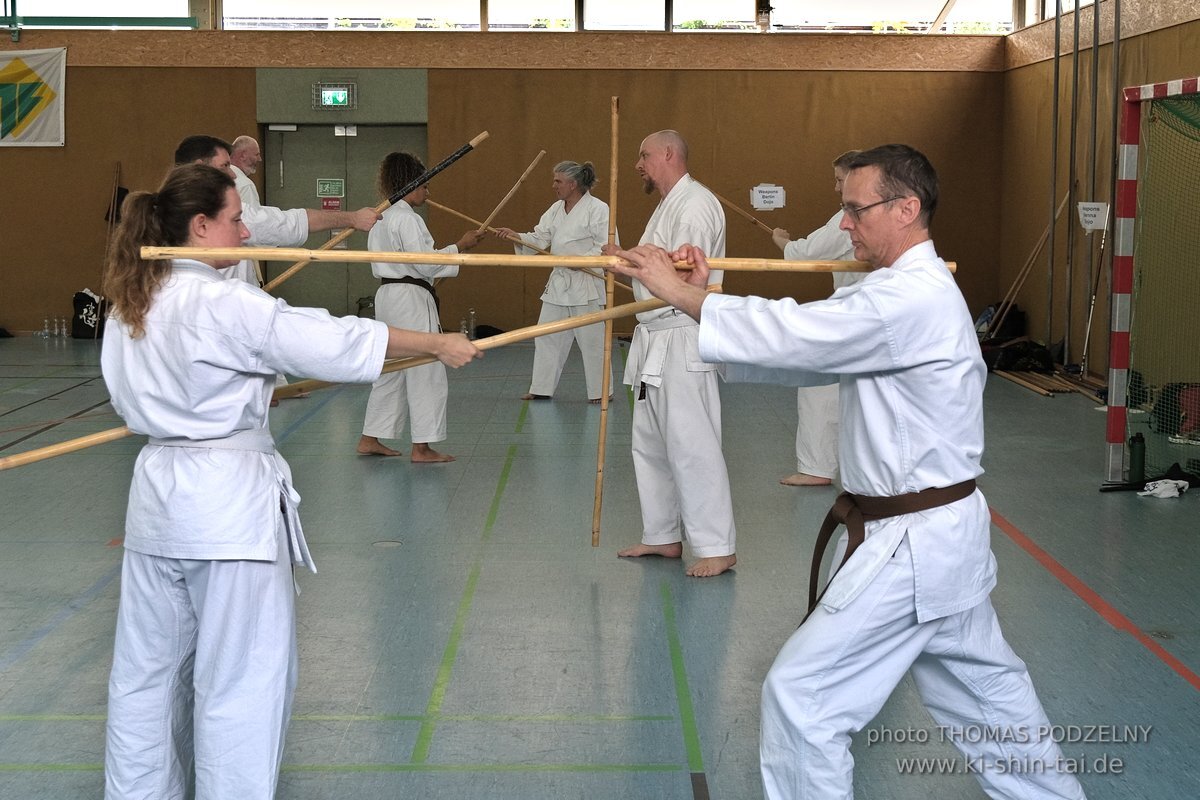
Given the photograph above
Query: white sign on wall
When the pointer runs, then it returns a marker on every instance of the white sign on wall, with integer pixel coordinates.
(1093, 216)
(767, 196)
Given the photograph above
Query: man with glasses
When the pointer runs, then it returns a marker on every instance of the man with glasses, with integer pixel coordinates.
(911, 593)
(817, 406)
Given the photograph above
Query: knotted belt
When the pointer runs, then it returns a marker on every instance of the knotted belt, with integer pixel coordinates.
(854, 510)
(426, 285)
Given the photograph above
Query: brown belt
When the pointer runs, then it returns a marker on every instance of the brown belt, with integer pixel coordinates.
(853, 510)
(426, 285)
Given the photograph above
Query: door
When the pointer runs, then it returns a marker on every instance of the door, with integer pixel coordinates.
(293, 163)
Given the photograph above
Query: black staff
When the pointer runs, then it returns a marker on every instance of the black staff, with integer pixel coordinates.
(416, 183)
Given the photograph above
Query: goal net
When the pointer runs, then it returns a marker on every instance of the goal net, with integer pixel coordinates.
(1162, 377)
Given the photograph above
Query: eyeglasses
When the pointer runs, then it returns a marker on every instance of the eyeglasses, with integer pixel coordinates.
(855, 212)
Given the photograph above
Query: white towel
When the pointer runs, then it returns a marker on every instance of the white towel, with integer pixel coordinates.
(1164, 488)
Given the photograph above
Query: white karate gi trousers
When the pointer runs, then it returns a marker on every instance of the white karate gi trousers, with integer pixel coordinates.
(204, 670)
(550, 352)
(682, 481)
(817, 413)
(837, 670)
(418, 394)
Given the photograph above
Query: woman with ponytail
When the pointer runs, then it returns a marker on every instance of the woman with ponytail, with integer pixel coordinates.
(204, 662)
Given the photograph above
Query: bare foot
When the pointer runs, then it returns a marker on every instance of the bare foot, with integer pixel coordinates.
(424, 454)
(708, 567)
(804, 479)
(370, 446)
(532, 396)
(274, 403)
(672, 550)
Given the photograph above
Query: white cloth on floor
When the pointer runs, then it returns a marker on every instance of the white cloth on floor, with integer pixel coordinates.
(1164, 488)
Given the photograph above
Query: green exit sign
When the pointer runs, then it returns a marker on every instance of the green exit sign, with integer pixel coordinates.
(331, 187)
(335, 98)
(335, 95)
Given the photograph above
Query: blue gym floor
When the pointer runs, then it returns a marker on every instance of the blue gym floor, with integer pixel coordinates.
(463, 638)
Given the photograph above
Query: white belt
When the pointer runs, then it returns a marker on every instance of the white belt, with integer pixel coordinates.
(259, 441)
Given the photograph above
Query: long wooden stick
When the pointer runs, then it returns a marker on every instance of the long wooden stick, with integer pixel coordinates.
(490, 259)
(738, 209)
(293, 389)
(62, 448)
(480, 226)
(606, 362)
(1011, 294)
(514, 239)
(499, 340)
(411, 186)
(513, 190)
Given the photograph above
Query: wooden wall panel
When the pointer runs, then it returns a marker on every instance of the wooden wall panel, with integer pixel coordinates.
(743, 128)
(54, 200)
(553, 51)
(1025, 185)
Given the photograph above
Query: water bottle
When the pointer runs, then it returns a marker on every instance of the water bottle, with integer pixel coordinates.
(471, 323)
(46, 328)
(463, 329)
(1137, 458)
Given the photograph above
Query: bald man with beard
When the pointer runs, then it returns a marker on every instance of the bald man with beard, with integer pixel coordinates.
(683, 484)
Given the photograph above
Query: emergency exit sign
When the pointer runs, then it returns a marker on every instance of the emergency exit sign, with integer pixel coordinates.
(335, 98)
(331, 187)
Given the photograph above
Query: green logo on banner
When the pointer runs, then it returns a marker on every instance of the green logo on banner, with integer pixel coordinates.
(23, 96)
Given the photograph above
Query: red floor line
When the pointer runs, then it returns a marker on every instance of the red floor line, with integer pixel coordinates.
(1093, 599)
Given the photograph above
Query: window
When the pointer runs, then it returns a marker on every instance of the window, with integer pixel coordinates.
(891, 16)
(437, 15)
(531, 15)
(624, 15)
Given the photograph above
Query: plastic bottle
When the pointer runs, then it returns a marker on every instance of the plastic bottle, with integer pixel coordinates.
(1137, 458)
(463, 329)
(471, 323)
(46, 328)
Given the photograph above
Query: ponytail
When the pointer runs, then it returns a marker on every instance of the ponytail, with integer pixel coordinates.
(156, 219)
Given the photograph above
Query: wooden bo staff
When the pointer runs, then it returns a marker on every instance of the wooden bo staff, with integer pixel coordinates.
(515, 240)
(1011, 295)
(411, 186)
(513, 190)
(490, 259)
(606, 361)
(480, 226)
(499, 340)
(395, 365)
(62, 448)
(729, 204)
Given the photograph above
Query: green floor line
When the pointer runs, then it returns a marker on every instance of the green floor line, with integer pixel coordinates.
(393, 768)
(53, 717)
(482, 768)
(51, 767)
(687, 715)
(521, 416)
(555, 718)
(442, 681)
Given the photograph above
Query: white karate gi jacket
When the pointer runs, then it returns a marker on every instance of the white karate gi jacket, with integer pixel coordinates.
(245, 187)
(582, 232)
(205, 369)
(912, 380)
(689, 214)
(403, 230)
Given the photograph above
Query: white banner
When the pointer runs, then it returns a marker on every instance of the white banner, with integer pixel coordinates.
(32, 97)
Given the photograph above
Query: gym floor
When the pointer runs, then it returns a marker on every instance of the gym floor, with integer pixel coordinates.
(464, 639)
